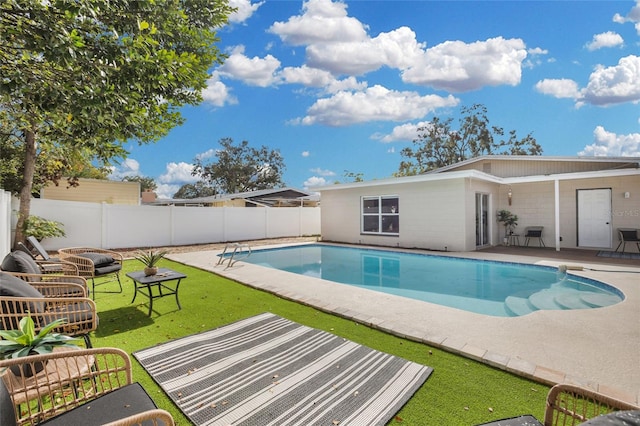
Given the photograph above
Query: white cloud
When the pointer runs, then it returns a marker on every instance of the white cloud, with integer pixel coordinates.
(244, 10)
(305, 153)
(210, 153)
(252, 71)
(217, 93)
(633, 16)
(322, 172)
(559, 88)
(459, 67)
(607, 85)
(616, 84)
(404, 132)
(176, 175)
(164, 190)
(179, 173)
(612, 145)
(396, 49)
(314, 181)
(377, 103)
(322, 21)
(129, 167)
(608, 39)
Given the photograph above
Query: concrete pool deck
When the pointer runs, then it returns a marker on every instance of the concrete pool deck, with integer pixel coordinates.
(594, 348)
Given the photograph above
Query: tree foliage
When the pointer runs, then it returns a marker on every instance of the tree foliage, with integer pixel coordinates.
(241, 168)
(82, 77)
(195, 190)
(439, 144)
(146, 183)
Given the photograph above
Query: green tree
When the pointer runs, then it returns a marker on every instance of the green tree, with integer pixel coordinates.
(86, 76)
(439, 145)
(241, 168)
(353, 176)
(195, 190)
(146, 183)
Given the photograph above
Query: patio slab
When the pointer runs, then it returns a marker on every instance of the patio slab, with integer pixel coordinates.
(600, 347)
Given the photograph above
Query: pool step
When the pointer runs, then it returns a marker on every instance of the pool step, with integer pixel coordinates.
(545, 300)
(597, 300)
(518, 306)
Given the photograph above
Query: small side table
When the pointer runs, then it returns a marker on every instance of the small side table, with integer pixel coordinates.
(513, 240)
(144, 284)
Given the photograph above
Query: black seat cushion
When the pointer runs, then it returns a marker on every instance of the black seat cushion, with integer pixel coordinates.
(617, 418)
(108, 269)
(19, 261)
(98, 259)
(7, 409)
(123, 402)
(527, 420)
(75, 312)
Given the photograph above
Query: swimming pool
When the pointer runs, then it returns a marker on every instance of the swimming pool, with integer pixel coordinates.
(486, 287)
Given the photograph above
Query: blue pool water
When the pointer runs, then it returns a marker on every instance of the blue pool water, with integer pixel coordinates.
(485, 287)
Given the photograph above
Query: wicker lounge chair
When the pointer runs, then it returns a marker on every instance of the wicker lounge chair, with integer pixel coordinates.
(569, 405)
(94, 263)
(19, 298)
(77, 387)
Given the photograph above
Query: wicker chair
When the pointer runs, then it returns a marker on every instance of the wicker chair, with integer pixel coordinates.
(19, 298)
(77, 387)
(569, 405)
(93, 263)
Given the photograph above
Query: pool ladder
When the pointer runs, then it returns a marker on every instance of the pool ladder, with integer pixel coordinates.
(238, 249)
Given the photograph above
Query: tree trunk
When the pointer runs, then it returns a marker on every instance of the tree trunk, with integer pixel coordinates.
(27, 183)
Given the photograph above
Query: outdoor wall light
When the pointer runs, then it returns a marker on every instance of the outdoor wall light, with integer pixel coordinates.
(627, 195)
(509, 195)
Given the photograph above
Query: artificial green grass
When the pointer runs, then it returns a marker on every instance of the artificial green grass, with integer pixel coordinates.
(460, 391)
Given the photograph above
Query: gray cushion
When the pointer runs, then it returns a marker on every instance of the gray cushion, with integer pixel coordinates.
(123, 402)
(98, 259)
(19, 261)
(14, 287)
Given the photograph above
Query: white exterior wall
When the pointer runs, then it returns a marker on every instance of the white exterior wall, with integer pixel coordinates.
(433, 215)
(534, 205)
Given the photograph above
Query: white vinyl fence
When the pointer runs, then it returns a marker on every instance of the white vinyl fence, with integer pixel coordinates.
(121, 226)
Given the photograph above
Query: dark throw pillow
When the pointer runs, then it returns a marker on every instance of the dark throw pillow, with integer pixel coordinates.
(19, 261)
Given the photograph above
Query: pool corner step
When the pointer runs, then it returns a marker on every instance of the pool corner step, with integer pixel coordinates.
(518, 305)
(598, 300)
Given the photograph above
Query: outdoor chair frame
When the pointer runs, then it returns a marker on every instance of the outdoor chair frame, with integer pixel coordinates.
(73, 378)
(88, 269)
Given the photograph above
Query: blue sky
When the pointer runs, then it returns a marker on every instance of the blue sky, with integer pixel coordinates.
(341, 86)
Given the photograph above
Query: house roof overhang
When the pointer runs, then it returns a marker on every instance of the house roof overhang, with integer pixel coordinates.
(475, 174)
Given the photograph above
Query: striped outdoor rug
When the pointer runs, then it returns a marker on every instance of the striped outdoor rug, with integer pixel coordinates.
(266, 370)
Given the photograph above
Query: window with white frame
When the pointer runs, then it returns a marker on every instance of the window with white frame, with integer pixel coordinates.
(381, 215)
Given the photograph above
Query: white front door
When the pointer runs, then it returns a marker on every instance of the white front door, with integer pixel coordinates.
(594, 218)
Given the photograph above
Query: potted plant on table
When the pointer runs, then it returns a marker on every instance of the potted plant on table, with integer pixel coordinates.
(25, 342)
(150, 260)
(509, 220)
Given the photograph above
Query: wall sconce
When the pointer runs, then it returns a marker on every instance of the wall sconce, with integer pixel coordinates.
(627, 195)
(509, 195)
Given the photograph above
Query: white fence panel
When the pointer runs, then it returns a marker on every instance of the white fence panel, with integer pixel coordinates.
(198, 225)
(286, 219)
(125, 224)
(246, 223)
(83, 222)
(122, 226)
(5, 223)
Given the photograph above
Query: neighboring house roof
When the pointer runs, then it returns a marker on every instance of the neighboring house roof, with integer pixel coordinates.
(264, 197)
(519, 171)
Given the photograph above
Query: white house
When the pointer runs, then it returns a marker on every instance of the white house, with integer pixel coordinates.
(579, 201)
